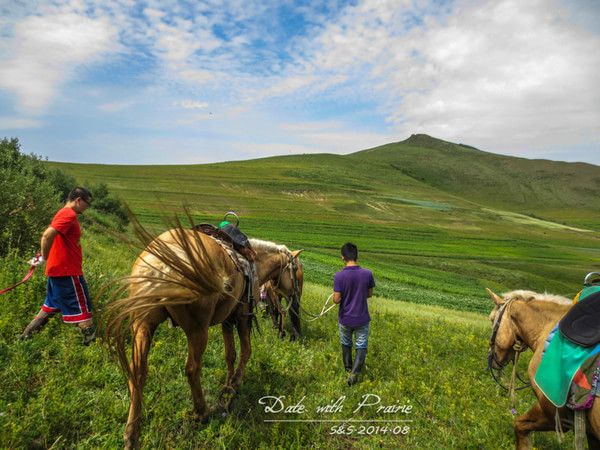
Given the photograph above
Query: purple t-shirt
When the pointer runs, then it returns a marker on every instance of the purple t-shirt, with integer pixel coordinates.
(353, 282)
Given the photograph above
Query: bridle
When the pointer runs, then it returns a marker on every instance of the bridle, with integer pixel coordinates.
(292, 266)
(518, 347)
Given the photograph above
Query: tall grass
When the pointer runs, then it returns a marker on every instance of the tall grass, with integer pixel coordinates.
(58, 393)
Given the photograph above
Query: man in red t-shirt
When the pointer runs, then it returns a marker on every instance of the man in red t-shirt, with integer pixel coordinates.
(67, 290)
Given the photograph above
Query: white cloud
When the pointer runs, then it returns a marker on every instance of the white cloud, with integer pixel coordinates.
(333, 136)
(45, 52)
(116, 106)
(503, 75)
(499, 74)
(13, 123)
(191, 104)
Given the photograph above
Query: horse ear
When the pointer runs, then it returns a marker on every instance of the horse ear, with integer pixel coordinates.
(495, 298)
(295, 253)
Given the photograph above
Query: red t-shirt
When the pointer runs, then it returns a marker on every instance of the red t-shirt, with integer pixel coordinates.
(65, 254)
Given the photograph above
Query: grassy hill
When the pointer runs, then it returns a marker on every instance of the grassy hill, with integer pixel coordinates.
(436, 221)
(432, 244)
(548, 189)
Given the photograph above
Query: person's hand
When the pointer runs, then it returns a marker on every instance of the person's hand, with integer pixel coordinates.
(37, 260)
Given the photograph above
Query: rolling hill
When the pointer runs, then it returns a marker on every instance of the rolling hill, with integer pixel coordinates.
(436, 221)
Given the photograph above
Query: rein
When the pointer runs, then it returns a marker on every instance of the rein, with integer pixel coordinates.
(25, 279)
(292, 265)
(518, 347)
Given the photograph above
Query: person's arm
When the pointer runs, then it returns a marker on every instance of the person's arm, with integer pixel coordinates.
(371, 286)
(337, 297)
(47, 240)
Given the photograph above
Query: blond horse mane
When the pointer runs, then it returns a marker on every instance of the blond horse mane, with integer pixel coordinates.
(268, 246)
(528, 296)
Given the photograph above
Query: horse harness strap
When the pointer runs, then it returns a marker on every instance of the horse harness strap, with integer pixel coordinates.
(519, 347)
(243, 264)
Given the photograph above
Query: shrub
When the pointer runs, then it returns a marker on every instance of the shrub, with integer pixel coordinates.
(27, 198)
(107, 204)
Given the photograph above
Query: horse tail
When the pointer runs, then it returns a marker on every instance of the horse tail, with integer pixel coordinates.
(174, 269)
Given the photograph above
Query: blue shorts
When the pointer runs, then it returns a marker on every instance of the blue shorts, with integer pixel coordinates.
(361, 334)
(69, 296)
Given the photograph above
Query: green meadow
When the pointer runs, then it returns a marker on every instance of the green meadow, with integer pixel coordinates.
(436, 222)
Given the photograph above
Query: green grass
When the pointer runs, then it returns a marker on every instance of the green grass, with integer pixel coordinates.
(58, 393)
(437, 238)
(435, 221)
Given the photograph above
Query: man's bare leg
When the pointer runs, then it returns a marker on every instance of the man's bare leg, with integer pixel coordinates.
(36, 324)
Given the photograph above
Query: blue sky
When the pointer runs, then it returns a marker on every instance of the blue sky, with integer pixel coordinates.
(169, 82)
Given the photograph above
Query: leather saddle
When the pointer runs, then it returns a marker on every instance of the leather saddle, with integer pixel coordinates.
(581, 324)
(231, 235)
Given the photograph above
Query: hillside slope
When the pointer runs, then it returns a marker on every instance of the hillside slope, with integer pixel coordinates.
(518, 184)
(429, 241)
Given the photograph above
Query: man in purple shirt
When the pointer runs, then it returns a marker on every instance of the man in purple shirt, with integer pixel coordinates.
(351, 288)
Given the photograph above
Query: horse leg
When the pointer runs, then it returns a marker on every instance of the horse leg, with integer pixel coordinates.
(230, 354)
(243, 328)
(593, 427)
(280, 318)
(197, 340)
(593, 441)
(295, 318)
(138, 369)
(533, 420)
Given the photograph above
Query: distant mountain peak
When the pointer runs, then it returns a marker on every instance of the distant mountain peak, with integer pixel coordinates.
(424, 140)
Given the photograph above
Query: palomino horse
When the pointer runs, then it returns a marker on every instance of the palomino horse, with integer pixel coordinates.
(525, 318)
(188, 276)
(275, 292)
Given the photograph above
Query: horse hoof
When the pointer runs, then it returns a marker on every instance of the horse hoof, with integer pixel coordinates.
(201, 418)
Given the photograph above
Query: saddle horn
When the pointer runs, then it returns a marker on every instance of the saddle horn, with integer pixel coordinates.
(591, 279)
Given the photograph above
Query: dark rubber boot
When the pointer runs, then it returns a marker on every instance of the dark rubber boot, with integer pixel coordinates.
(89, 334)
(347, 357)
(359, 362)
(34, 326)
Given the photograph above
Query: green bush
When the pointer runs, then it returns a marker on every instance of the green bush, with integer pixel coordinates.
(30, 193)
(107, 204)
(27, 198)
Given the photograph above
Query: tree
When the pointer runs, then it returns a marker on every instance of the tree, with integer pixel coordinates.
(27, 198)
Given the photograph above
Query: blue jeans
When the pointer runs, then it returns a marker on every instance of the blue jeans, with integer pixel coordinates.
(361, 333)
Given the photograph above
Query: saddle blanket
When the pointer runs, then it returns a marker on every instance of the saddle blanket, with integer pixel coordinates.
(560, 363)
(585, 385)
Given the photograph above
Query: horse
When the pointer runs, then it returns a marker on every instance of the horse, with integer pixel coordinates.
(189, 277)
(521, 320)
(274, 293)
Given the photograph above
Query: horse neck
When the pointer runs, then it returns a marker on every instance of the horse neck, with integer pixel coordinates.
(269, 265)
(533, 320)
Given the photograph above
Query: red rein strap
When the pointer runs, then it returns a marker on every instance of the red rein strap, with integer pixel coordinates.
(26, 278)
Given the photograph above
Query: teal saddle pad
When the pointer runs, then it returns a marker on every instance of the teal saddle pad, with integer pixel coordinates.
(560, 361)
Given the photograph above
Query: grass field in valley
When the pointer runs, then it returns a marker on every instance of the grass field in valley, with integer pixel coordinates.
(432, 245)
(59, 394)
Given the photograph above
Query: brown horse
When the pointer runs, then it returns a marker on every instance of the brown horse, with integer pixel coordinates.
(188, 277)
(525, 318)
(275, 292)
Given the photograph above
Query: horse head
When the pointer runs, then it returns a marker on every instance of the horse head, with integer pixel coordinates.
(504, 338)
(277, 264)
(291, 279)
(519, 318)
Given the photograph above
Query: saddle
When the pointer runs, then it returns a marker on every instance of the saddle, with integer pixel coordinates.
(235, 242)
(231, 235)
(581, 324)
